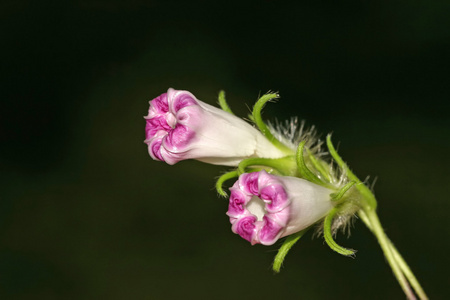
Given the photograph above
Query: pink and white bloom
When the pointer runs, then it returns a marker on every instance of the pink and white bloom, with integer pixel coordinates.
(179, 127)
(264, 207)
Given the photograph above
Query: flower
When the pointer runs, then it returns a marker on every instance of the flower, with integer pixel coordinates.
(179, 127)
(264, 207)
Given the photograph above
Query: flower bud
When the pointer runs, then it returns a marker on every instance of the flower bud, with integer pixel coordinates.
(179, 127)
(264, 207)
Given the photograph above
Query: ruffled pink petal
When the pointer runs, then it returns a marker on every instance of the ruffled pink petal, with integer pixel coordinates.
(233, 220)
(246, 228)
(181, 99)
(155, 124)
(178, 139)
(249, 183)
(270, 232)
(276, 196)
(237, 202)
(160, 104)
(154, 148)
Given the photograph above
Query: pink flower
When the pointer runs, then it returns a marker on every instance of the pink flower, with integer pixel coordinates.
(264, 207)
(179, 127)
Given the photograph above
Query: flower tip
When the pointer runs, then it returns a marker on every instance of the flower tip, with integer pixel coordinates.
(265, 207)
(180, 127)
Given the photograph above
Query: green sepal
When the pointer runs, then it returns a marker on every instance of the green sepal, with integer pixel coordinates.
(339, 160)
(369, 199)
(283, 166)
(303, 169)
(284, 249)
(257, 119)
(339, 194)
(319, 165)
(329, 236)
(223, 103)
(222, 179)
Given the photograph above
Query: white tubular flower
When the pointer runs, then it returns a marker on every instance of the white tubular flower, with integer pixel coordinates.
(179, 127)
(264, 207)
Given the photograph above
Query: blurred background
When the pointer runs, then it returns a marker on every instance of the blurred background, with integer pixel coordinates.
(86, 214)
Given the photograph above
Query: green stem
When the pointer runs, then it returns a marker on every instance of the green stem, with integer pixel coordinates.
(385, 246)
(400, 268)
(398, 258)
(368, 215)
(408, 273)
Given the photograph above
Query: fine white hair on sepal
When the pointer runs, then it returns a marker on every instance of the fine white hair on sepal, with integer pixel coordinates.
(342, 222)
(338, 175)
(372, 185)
(292, 132)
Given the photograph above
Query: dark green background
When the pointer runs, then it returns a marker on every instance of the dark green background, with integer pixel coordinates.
(86, 214)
